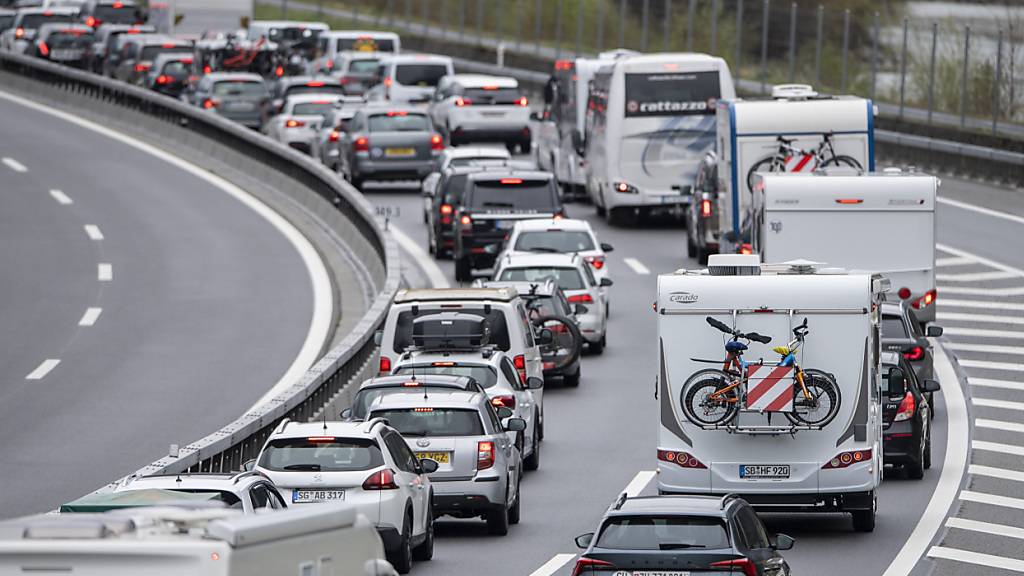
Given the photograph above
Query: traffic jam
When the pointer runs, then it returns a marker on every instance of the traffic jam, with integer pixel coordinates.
(794, 364)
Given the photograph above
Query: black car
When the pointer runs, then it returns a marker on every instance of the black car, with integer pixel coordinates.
(110, 39)
(682, 535)
(702, 212)
(66, 44)
(901, 332)
(373, 388)
(493, 202)
(443, 200)
(906, 421)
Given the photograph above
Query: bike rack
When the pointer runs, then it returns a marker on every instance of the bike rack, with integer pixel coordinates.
(765, 430)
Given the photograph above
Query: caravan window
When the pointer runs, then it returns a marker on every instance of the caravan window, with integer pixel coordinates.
(672, 93)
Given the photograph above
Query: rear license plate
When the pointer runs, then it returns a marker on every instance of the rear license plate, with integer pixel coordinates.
(504, 224)
(399, 152)
(650, 573)
(439, 457)
(764, 471)
(239, 106)
(307, 496)
(65, 54)
(671, 199)
(494, 114)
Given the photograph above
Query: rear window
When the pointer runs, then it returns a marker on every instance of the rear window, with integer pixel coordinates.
(554, 241)
(893, 327)
(6, 21)
(366, 397)
(313, 109)
(229, 499)
(366, 44)
(316, 88)
(177, 68)
(149, 53)
(458, 162)
(672, 93)
(419, 74)
(484, 375)
(292, 34)
(363, 67)
(565, 278)
(239, 88)
(495, 319)
(398, 123)
(663, 533)
(69, 39)
(34, 21)
(434, 421)
(513, 193)
(454, 186)
(492, 96)
(321, 454)
(111, 14)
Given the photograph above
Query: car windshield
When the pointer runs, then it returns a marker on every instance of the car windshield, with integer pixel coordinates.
(398, 122)
(565, 278)
(484, 375)
(433, 421)
(239, 88)
(363, 66)
(366, 44)
(425, 75)
(554, 241)
(320, 109)
(893, 327)
(513, 193)
(663, 533)
(115, 13)
(321, 454)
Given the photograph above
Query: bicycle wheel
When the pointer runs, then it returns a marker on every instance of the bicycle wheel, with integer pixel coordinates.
(842, 161)
(565, 347)
(822, 406)
(766, 164)
(698, 405)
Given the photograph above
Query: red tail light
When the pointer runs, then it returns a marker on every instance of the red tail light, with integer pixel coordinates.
(681, 459)
(580, 298)
(508, 401)
(361, 144)
(739, 565)
(210, 103)
(563, 64)
(904, 293)
(329, 63)
(169, 45)
(118, 5)
(460, 101)
(19, 32)
(163, 79)
(845, 459)
(467, 222)
(915, 353)
(207, 69)
(746, 249)
(294, 124)
(520, 363)
(383, 480)
(446, 209)
(279, 71)
(523, 101)
(484, 455)
(333, 136)
(925, 301)
(907, 408)
(705, 208)
(44, 50)
(591, 565)
(849, 200)
(436, 143)
(91, 21)
(596, 261)
(142, 67)
(385, 365)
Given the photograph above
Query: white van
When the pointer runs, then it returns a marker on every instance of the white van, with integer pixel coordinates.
(356, 45)
(651, 120)
(409, 78)
(883, 222)
(327, 539)
(754, 439)
(797, 130)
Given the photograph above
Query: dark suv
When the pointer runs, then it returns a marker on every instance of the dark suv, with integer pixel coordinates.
(906, 421)
(682, 535)
(492, 203)
(702, 212)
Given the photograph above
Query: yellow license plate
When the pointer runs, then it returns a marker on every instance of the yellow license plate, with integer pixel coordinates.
(397, 152)
(439, 457)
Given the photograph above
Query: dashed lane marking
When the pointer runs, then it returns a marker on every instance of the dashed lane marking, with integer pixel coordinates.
(90, 317)
(992, 472)
(992, 403)
(980, 210)
(999, 425)
(105, 272)
(61, 197)
(997, 447)
(15, 165)
(988, 348)
(637, 266)
(93, 232)
(993, 383)
(992, 499)
(553, 565)
(976, 558)
(43, 369)
(986, 527)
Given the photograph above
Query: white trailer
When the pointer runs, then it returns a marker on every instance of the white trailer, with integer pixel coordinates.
(883, 222)
(316, 541)
(764, 453)
(797, 130)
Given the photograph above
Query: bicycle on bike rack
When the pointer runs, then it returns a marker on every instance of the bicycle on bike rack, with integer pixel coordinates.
(816, 396)
(789, 158)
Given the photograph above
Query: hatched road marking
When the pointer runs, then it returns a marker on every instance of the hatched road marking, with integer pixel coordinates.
(956, 316)
(997, 447)
(553, 565)
(977, 558)
(637, 266)
(993, 499)
(980, 209)
(999, 425)
(984, 304)
(989, 348)
(986, 527)
(93, 231)
(638, 483)
(15, 165)
(43, 369)
(1004, 404)
(992, 472)
(981, 333)
(992, 383)
(976, 276)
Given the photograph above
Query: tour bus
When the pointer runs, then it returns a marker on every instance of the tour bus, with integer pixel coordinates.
(733, 415)
(560, 136)
(650, 121)
(796, 130)
(881, 221)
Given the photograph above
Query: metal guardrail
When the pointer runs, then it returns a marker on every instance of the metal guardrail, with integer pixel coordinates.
(294, 174)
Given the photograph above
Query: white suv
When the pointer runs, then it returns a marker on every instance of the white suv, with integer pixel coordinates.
(478, 108)
(367, 464)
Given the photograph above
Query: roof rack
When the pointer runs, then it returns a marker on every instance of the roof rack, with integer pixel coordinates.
(373, 422)
(245, 474)
(284, 424)
(726, 499)
(619, 501)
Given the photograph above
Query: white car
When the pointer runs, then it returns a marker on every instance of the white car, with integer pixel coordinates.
(574, 276)
(300, 120)
(366, 464)
(246, 491)
(409, 78)
(478, 108)
(455, 157)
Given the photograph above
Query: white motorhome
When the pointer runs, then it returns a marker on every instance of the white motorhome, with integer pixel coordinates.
(883, 222)
(163, 541)
(763, 451)
(650, 121)
(797, 130)
(560, 134)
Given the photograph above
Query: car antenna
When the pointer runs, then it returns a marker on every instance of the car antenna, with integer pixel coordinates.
(324, 413)
(178, 479)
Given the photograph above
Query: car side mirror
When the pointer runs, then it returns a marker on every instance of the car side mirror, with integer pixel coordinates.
(932, 386)
(580, 309)
(607, 247)
(545, 337)
(534, 383)
(504, 412)
(933, 331)
(248, 465)
(896, 378)
(583, 540)
(378, 337)
(346, 414)
(428, 466)
(783, 542)
(606, 282)
(515, 425)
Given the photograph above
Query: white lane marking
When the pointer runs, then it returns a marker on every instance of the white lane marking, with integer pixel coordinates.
(94, 232)
(999, 425)
(981, 333)
(953, 466)
(90, 317)
(976, 276)
(986, 365)
(637, 266)
(997, 447)
(994, 292)
(993, 383)
(992, 403)
(323, 295)
(419, 256)
(40, 372)
(980, 259)
(992, 472)
(639, 482)
(553, 565)
(989, 348)
(15, 165)
(976, 558)
(980, 209)
(992, 499)
(105, 272)
(954, 261)
(61, 197)
(982, 304)
(986, 527)
(960, 317)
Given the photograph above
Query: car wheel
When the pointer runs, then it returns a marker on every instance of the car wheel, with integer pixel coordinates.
(514, 512)
(532, 462)
(425, 551)
(597, 348)
(497, 520)
(573, 380)
(601, 210)
(915, 467)
(864, 520)
(401, 559)
(463, 271)
(691, 247)
(928, 451)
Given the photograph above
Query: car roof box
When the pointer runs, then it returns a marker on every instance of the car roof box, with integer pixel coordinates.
(450, 330)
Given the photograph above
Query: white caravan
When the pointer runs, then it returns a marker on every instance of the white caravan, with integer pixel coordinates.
(650, 121)
(797, 130)
(764, 450)
(560, 135)
(883, 222)
(318, 540)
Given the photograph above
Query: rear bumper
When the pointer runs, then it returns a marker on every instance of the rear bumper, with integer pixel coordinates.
(470, 496)
(900, 443)
(393, 169)
(820, 502)
(485, 132)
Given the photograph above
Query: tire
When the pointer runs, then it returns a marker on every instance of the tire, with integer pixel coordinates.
(915, 467)
(515, 512)
(572, 380)
(842, 161)
(401, 559)
(425, 551)
(463, 270)
(863, 520)
(821, 386)
(697, 388)
(601, 210)
(927, 459)
(497, 520)
(533, 461)
(597, 348)
(691, 247)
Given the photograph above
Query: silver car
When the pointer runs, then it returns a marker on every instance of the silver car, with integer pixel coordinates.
(389, 143)
(478, 464)
(237, 96)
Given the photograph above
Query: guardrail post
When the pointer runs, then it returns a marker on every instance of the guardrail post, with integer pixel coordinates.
(714, 27)
(903, 70)
(558, 29)
(499, 28)
(408, 14)
(999, 79)
(284, 9)
(479, 21)
(792, 41)
(665, 25)
(691, 14)
(538, 8)
(599, 44)
(965, 77)
(355, 16)
(519, 24)
(931, 72)
(391, 13)
(874, 57)
(320, 9)
(764, 45)
(377, 17)
(817, 46)
(738, 59)
(425, 15)
(643, 29)
(579, 28)
(462, 20)
(846, 47)
(622, 23)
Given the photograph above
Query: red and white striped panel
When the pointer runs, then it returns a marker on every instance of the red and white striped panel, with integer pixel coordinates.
(770, 388)
(801, 163)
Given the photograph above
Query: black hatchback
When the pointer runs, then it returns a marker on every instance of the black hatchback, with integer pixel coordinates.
(906, 421)
(682, 534)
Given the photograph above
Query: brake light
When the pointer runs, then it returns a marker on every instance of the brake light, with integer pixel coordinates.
(142, 67)
(294, 124)
(316, 84)
(558, 216)
(279, 71)
(924, 301)
(915, 353)
(361, 144)
(90, 21)
(466, 220)
(738, 565)
(705, 208)
(681, 459)
(387, 82)
(436, 143)
(333, 136)
(385, 365)
(907, 408)
(411, 384)
(508, 401)
(319, 439)
(590, 564)
(422, 409)
(849, 201)
(446, 209)
(563, 64)
(329, 63)
(484, 455)
(580, 298)
(44, 50)
(511, 180)
(520, 364)
(394, 113)
(19, 32)
(847, 458)
(118, 5)
(210, 103)
(596, 261)
(460, 101)
(185, 60)
(746, 249)
(169, 45)
(523, 101)
(207, 69)
(904, 293)
(163, 79)
(383, 480)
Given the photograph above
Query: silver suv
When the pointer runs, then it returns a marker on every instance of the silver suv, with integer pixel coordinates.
(479, 466)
